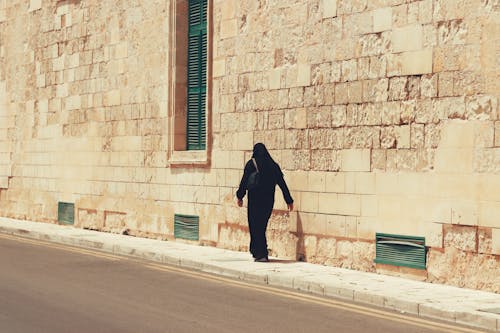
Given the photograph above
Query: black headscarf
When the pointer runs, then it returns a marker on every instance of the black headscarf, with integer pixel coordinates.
(264, 160)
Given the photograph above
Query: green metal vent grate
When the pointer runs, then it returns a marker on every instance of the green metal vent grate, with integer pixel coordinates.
(186, 226)
(399, 250)
(66, 213)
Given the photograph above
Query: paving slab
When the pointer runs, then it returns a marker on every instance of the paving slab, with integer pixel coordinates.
(458, 305)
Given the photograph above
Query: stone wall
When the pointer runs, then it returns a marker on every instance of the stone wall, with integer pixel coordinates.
(383, 114)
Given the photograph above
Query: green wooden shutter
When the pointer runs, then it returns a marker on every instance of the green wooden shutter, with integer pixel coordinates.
(197, 75)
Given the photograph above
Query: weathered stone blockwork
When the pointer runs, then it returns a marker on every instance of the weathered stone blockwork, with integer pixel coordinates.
(384, 116)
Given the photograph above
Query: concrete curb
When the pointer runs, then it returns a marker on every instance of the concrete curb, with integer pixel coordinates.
(406, 296)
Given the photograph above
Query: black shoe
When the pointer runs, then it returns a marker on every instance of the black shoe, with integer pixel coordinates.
(263, 259)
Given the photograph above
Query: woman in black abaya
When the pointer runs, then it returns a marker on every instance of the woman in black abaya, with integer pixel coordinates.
(261, 198)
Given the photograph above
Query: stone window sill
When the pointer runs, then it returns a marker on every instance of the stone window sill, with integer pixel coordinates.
(189, 157)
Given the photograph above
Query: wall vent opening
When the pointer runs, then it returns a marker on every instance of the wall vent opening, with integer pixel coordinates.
(399, 250)
(186, 226)
(66, 213)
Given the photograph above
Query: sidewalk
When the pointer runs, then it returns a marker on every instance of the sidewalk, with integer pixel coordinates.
(452, 304)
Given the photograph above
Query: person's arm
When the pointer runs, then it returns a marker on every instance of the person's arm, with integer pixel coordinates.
(284, 189)
(242, 190)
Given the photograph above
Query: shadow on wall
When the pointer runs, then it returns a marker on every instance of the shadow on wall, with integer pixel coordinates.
(299, 232)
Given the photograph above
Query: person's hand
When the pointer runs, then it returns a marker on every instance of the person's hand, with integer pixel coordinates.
(240, 203)
(290, 207)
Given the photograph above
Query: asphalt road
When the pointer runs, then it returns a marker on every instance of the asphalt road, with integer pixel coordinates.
(47, 287)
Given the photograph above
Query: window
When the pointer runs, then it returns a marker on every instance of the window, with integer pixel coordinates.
(197, 75)
(189, 84)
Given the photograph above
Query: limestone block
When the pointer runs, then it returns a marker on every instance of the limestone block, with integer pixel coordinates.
(382, 19)
(403, 135)
(355, 160)
(228, 28)
(488, 214)
(457, 134)
(393, 64)
(390, 112)
(365, 182)
(364, 68)
(296, 118)
(309, 202)
(35, 5)
(408, 38)
(448, 10)
(400, 15)
(484, 240)
(335, 225)
(219, 67)
(417, 136)
(303, 75)
(121, 50)
(351, 225)
(297, 180)
(319, 117)
(335, 182)
(429, 85)
(497, 133)
(417, 62)
(449, 58)
(3, 15)
(379, 158)
(454, 160)
(338, 116)
(481, 107)
(295, 139)
(397, 89)
(387, 183)
(62, 90)
(450, 107)
(445, 84)
(275, 78)
(460, 237)
(347, 204)
(368, 227)
(464, 213)
(355, 92)
(369, 206)
(326, 138)
(404, 159)
(487, 160)
(314, 224)
(73, 102)
(112, 98)
(316, 181)
(433, 233)
(294, 159)
(375, 90)
(359, 23)
(484, 133)
(378, 67)
(244, 140)
(296, 97)
(350, 182)
(325, 160)
(329, 8)
(341, 93)
(495, 241)
(349, 70)
(425, 11)
(452, 32)
(228, 9)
